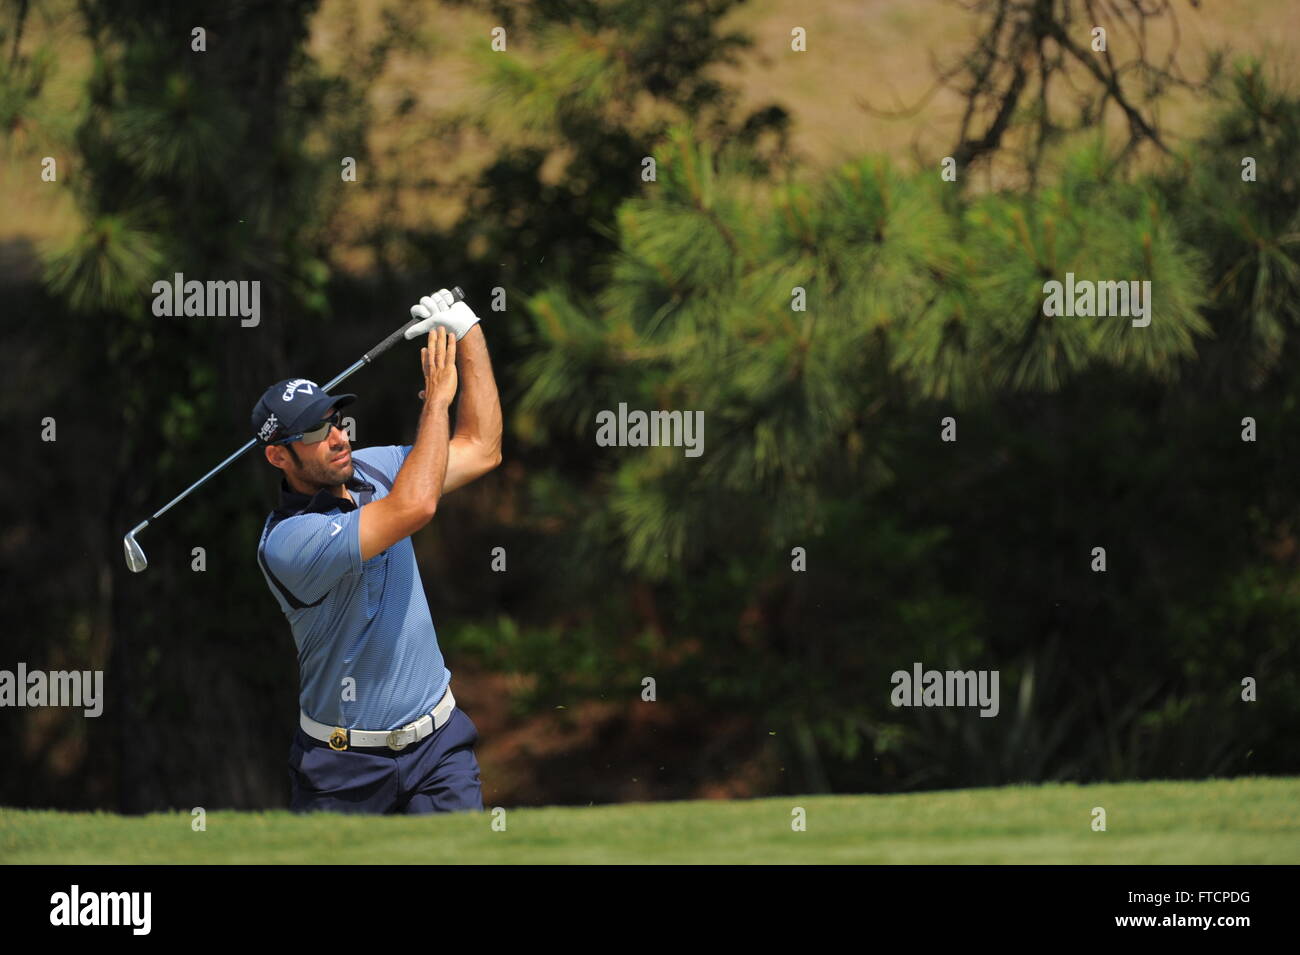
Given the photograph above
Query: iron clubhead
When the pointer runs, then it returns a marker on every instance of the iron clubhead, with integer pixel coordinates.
(135, 558)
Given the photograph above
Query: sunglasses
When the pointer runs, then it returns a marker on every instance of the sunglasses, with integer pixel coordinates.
(317, 432)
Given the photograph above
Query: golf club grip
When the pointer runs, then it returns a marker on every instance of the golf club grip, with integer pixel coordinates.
(397, 336)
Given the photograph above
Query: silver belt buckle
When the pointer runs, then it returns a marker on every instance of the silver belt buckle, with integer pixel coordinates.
(395, 738)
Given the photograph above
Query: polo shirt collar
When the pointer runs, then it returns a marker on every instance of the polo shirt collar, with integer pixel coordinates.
(323, 501)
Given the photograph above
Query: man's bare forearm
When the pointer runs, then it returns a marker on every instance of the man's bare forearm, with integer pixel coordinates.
(418, 484)
(478, 418)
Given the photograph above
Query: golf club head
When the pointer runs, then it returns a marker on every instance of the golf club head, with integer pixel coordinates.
(135, 558)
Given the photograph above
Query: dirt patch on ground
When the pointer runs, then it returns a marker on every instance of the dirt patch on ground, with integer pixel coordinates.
(607, 752)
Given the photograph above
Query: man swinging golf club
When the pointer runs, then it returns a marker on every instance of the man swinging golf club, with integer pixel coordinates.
(379, 730)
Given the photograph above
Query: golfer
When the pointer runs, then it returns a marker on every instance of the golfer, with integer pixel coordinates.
(379, 730)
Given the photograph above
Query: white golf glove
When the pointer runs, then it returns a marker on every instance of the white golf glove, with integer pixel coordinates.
(441, 308)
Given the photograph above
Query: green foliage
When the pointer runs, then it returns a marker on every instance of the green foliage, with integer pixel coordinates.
(222, 165)
(917, 307)
(1249, 230)
(21, 83)
(923, 301)
(1095, 227)
(106, 265)
(575, 102)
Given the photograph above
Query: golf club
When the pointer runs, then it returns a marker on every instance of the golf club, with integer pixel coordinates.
(135, 558)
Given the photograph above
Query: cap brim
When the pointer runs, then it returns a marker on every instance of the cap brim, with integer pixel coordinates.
(317, 410)
(313, 413)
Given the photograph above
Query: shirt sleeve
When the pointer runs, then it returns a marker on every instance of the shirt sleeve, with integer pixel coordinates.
(386, 459)
(310, 553)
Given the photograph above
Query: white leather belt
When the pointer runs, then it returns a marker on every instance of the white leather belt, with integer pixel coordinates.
(341, 738)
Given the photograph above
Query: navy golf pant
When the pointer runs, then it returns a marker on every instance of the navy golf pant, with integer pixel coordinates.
(437, 774)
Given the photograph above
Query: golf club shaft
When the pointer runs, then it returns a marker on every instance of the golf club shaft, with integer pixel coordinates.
(356, 366)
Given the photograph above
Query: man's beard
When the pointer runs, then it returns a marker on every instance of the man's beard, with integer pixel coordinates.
(323, 477)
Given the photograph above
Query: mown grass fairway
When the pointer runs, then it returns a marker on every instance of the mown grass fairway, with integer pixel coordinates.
(1216, 822)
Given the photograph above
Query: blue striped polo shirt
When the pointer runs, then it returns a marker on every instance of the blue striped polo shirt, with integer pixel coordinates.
(364, 620)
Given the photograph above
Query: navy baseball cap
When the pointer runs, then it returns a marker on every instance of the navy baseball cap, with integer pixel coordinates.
(291, 406)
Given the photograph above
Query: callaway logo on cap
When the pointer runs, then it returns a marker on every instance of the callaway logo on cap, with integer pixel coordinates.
(291, 406)
(300, 386)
